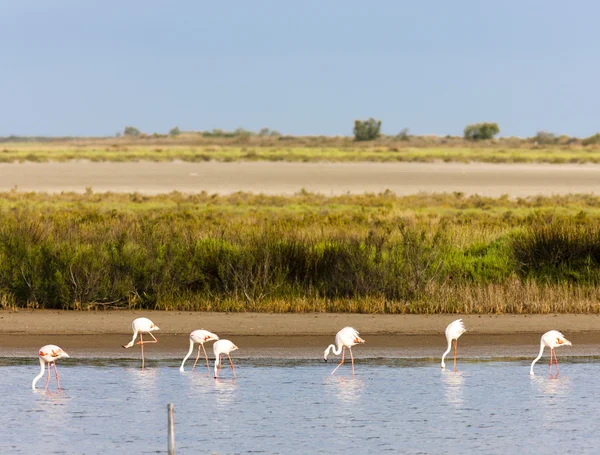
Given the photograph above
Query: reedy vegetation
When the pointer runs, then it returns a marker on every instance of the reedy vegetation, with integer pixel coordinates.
(195, 147)
(243, 252)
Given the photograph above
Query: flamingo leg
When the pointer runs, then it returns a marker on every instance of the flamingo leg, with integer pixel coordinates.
(48, 378)
(556, 362)
(146, 342)
(197, 357)
(141, 343)
(343, 351)
(551, 351)
(231, 363)
(56, 372)
(206, 357)
(352, 357)
(220, 364)
(455, 342)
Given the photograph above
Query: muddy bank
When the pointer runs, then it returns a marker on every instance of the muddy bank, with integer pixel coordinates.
(55, 322)
(101, 334)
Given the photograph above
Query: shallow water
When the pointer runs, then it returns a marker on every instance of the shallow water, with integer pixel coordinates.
(297, 407)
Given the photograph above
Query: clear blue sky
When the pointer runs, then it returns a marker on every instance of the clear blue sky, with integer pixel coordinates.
(74, 67)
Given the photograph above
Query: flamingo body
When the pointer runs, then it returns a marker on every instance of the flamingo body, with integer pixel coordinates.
(223, 347)
(453, 332)
(551, 339)
(200, 337)
(49, 354)
(142, 325)
(345, 338)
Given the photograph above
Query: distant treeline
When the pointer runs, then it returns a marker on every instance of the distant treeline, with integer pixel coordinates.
(77, 256)
(368, 131)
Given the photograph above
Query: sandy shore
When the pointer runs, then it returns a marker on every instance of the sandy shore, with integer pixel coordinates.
(516, 180)
(101, 334)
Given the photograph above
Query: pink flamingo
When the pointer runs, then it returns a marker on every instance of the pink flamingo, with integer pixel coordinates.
(345, 338)
(142, 325)
(223, 347)
(200, 337)
(49, 354)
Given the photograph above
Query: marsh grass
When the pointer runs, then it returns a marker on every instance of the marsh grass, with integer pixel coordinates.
(375, 253)
(195, 148)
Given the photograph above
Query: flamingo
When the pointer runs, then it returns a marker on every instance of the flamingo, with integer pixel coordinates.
(552, 339)
(223, 347)
(49, 354)
(345, 338)
(142, 325)
(454, 330)
(200, 337)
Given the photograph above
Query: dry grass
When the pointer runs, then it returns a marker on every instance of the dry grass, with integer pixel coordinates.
(195, 148)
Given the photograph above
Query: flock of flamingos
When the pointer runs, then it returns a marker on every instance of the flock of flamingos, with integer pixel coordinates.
(345, 338)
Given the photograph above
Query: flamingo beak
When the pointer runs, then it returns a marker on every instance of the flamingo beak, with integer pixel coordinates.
(324, 359)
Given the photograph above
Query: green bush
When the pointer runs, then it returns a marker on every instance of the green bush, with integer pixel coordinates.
(481, 131)
(131, 131)
(367, 130)
(174, 132)
(559, 252)
(545, 138)
(592, 140)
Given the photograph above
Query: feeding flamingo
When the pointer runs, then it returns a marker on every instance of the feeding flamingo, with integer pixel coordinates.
(200, 337)
(345, 338)
(49, 354)
(454, 330)
(223, 347)
(142, 325)
(552, 339)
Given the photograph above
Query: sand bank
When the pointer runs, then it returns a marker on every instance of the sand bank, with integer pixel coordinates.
(516, 180)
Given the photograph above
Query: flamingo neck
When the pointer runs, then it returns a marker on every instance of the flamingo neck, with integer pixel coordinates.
(217, 363)
(188, 354)
(331, 347)
(538, 357)
(135, 334)
(42, 370)
(447, 351)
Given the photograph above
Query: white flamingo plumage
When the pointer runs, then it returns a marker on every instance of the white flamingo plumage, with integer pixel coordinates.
(142, 325)
(199, 336)
(345, 338)
(552, 339)
(454, 330)
(223, 347)
(49, 354)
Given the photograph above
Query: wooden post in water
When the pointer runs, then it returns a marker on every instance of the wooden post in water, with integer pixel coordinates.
(171, 429)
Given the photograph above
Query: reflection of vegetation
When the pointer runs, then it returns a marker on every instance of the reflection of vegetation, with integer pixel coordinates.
(243, 252)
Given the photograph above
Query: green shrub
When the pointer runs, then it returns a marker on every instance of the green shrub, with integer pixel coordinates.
(131, 131)
(174, 132)
(559, 252)
(545, 138)
(367, 130)
(592, 140)
(481, 131)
